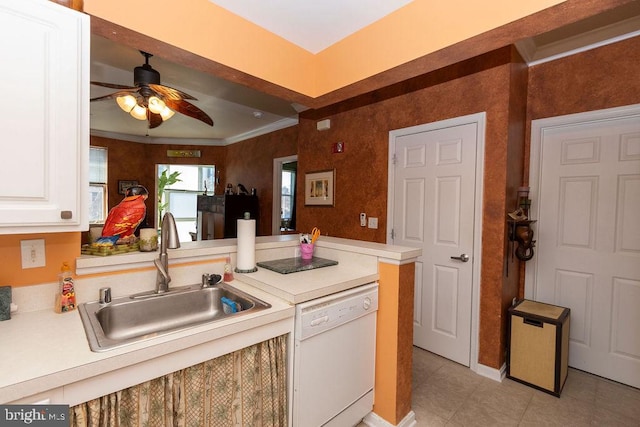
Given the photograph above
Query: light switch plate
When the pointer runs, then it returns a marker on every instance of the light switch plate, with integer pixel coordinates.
(373, 222)
(32, 253)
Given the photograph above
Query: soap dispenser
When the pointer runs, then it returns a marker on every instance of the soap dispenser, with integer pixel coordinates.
(66, 297)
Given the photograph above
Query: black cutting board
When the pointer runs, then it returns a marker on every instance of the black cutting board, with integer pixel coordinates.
(293, 265)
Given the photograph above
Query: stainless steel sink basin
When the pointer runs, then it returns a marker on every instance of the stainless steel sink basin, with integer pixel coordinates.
(127, 320)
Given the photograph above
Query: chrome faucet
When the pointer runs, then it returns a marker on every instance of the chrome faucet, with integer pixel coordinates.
(168, 240)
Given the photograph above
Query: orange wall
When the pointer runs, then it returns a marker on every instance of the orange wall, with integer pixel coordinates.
(203, 28)
(420, 28)
(58, 248)
(394, 338)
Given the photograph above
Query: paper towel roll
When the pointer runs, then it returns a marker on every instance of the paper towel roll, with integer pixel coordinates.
(246, 246)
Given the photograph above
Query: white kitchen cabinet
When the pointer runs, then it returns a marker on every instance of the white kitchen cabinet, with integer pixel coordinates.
(44, 118)
(51, 397)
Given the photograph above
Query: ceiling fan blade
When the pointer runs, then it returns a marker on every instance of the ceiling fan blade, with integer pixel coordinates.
(110, 96)
(115, 86)
(154, 119)
(188, 109)
(171, 93)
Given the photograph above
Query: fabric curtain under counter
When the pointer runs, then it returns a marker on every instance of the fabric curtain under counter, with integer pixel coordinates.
(246, 387)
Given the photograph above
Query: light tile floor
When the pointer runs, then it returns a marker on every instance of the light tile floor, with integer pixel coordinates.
(446, 393)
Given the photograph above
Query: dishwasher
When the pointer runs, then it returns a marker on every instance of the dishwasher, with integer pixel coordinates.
(334, 358)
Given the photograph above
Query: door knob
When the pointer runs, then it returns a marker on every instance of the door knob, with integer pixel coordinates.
(462, 257)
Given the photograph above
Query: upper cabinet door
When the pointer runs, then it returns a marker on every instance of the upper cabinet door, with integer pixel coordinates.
(44, 118)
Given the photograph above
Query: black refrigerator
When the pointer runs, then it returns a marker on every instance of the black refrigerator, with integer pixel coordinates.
(218, 215)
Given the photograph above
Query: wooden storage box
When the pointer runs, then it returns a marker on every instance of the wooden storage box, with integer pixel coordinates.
(539, 345)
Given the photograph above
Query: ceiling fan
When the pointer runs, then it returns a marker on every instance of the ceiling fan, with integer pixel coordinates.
(149, 100)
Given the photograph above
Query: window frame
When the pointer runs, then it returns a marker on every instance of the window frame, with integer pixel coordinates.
(102, 185)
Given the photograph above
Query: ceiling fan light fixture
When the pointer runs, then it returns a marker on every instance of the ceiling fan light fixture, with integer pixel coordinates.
(166, 113)
(139, 112)
(156, 105)
(150, 101)
(126, 102)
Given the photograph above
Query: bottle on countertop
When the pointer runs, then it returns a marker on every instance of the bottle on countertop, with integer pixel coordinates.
(228, 271)
(66, 297)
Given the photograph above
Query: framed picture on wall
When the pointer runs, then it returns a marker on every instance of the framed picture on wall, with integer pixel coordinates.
(319, 188)
(123, 185)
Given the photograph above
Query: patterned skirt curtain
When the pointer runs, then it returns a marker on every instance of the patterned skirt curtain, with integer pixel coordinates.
(244, 388)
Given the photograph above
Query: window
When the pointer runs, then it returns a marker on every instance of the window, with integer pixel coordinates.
(181, 197)
(98, 157)
(288, 190)
(288, 199)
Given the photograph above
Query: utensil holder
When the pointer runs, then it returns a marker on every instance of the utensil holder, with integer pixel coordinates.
(306, 250)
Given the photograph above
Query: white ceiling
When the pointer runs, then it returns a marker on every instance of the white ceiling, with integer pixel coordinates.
(239, 112)
(312, 25)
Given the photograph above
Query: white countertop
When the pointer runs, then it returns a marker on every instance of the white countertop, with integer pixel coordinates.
(43, 350)
(307, 285)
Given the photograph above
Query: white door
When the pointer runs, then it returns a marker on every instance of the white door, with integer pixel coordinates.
(434, 200)
(587, 182)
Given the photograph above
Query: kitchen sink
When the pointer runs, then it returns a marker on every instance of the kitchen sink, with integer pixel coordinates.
(130, 319)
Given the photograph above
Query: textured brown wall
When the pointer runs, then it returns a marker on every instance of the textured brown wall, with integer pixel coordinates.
(495, 86)
(515, 156)
(364, 125)
(597, 79)
(250, 163)
(137, 161)
(601, 78)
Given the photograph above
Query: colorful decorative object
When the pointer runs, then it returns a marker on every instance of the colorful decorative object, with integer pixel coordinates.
(124, 218)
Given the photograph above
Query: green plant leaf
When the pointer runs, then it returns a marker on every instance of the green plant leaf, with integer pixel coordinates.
(164, 181)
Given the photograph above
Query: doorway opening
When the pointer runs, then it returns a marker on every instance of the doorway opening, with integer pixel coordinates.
(285, 170)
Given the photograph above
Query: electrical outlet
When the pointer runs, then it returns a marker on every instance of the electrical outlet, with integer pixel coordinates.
(32, 253)
(363, 219)
(373, 222)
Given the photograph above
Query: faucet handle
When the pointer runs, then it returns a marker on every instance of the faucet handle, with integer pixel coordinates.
(105, 295)
(206, 277)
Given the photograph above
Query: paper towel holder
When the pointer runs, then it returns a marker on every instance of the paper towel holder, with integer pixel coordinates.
(246, 216)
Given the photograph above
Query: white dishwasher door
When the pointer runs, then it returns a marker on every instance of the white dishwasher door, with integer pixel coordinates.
(334, 359)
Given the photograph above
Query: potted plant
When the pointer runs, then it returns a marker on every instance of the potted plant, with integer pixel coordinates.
(165, 180)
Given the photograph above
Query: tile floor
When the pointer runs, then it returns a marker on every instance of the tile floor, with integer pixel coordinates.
(448, 394)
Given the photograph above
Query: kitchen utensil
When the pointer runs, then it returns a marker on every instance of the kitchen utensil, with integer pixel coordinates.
(315, 233)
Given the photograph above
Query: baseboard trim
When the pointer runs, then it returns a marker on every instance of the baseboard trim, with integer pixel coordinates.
(374, 420)
(492, 373)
